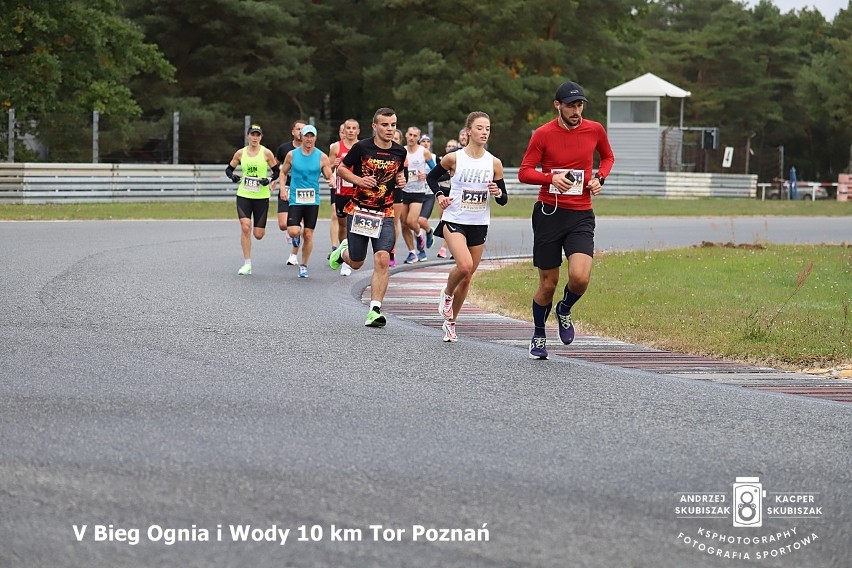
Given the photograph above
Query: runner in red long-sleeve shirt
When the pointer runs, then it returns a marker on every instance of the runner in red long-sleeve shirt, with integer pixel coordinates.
(563, 219)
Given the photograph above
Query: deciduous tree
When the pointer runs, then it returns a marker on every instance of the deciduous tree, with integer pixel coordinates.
(66, 59)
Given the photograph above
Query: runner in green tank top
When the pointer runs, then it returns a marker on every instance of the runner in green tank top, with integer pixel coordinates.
(259, 168)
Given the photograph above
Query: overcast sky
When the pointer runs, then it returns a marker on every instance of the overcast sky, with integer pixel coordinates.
(827, 8)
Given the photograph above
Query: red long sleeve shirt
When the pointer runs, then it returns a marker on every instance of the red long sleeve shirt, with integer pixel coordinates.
(553, 147)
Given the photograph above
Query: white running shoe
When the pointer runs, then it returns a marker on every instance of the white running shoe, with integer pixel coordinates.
(245, 270)
(449, 328)
(445, 305)
(293, 260)
(345, 270)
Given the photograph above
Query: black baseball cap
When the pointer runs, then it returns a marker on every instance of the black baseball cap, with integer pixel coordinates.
(255, 128)
(569, 91)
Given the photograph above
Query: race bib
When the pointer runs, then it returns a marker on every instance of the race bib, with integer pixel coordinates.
(415, 185)
(341, 185)
(577, 188)
(306, 196)
(474, 200)
(251, 184)
(367, 223)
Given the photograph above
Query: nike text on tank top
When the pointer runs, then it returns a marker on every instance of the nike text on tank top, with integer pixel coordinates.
(416, 164)
(304, 177)
(471, 203)
(254, 169)
(342, 187)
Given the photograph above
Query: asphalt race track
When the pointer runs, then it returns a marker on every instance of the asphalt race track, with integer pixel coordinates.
(152, 395)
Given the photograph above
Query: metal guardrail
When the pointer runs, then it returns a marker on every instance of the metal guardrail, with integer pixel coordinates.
(812, 190)
(70, 183)
(46, 183)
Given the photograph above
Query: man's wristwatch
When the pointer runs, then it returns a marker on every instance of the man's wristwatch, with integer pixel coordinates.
(600, 178)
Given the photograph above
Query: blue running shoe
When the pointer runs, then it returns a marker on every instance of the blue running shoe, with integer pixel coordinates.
(430, 239)
(421, 242)
(303, 271)
(421, 256)
(296, 241)
(537, 347)
(566, 325)
(411, 258)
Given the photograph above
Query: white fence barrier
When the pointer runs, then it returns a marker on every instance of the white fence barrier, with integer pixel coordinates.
(51, 183)
(74, 183)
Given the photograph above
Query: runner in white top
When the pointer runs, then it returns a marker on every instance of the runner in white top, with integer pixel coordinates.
(466, 211)
(452, 146)
(426, 237)
(420, 161)
(399, 138)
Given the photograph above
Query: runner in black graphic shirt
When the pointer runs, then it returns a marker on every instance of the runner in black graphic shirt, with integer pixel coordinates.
(375, 166)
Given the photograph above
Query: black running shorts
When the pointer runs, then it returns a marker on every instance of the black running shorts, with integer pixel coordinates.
(253, 208)
(564, 231)
(475, 234)
(428, 205)
(303, 214)
(409, 198)
(358, 243)
(341, 201)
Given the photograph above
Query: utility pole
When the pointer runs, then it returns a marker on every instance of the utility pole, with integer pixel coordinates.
(748, 150)
(175, 136)
(96, 118)
(10, 157)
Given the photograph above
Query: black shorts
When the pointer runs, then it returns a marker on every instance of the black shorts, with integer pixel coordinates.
(283, 205)
(303, 214)
(358, 243)
(474, 234)
(340, 201)
(253, 208)
(564, 231)
(397, 195)
(331, 194)
(428, 205)
(409, 198)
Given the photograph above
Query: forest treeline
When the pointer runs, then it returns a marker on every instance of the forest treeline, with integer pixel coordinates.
(778, 79)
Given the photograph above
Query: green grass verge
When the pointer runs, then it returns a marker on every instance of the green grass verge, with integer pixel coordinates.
(782, 306)
(517, 207)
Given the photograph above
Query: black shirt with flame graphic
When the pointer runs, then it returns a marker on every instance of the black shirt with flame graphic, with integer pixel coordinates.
(365, 159)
